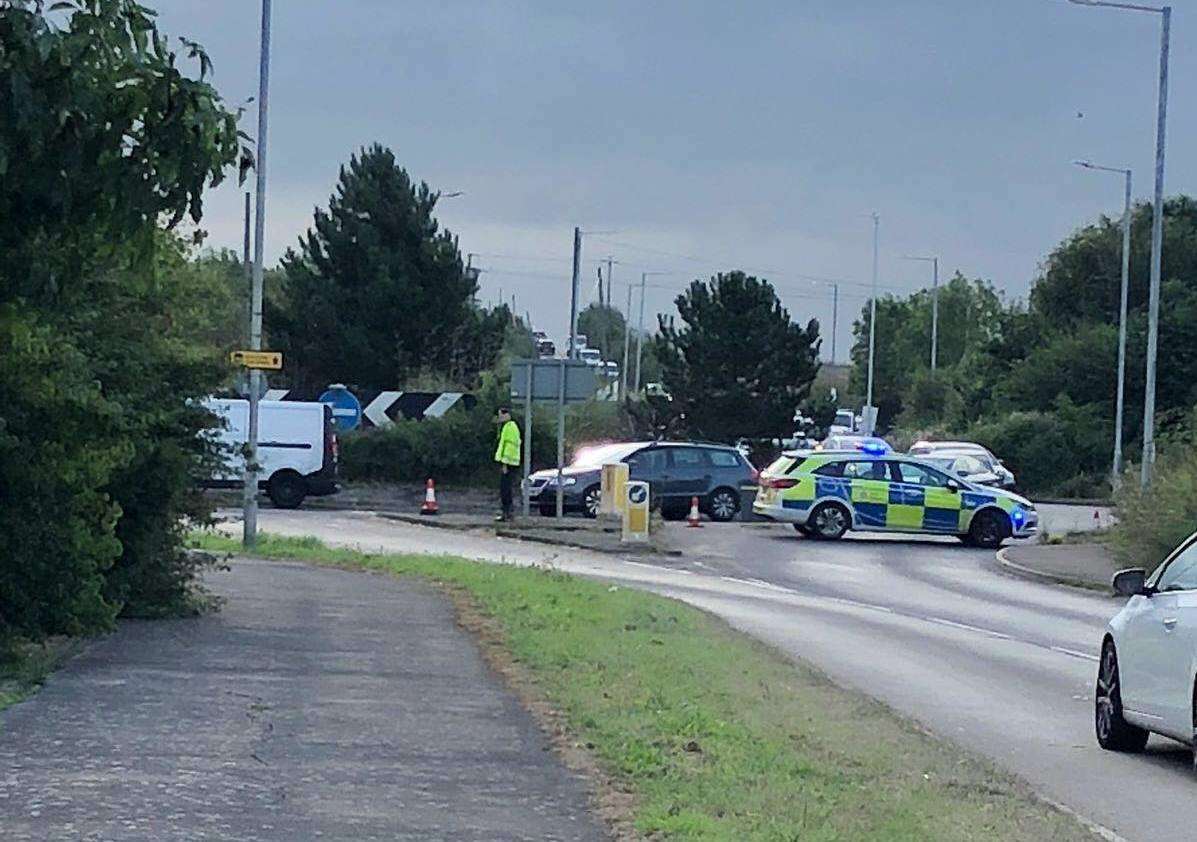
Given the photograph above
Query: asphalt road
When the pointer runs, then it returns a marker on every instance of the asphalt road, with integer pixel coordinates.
(1002, 666)
(318, 704)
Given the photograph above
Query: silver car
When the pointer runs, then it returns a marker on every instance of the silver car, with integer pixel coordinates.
(991, 462)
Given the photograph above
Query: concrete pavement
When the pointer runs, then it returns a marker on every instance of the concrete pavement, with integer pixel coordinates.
(1000, 665)
(318, 704)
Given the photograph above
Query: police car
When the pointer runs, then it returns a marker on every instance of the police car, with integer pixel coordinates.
(825, 493)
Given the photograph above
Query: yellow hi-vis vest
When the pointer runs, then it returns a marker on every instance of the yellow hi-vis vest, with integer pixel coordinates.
(508, 451)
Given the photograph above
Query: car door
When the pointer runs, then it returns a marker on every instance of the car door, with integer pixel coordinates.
(922, 499)
(870, 484)
(650, 465)
(1164, 638)
(689, 472)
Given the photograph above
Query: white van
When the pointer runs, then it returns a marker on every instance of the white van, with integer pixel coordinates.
(297, 448)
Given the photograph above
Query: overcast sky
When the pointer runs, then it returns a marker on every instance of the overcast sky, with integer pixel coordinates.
(696, 136)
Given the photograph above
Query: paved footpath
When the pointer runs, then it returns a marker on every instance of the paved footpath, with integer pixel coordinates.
(319, 704)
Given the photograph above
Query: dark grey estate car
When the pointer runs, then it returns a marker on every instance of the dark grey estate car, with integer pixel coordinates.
(676, 471)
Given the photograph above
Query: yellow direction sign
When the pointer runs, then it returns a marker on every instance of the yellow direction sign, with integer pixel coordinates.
(271, 360)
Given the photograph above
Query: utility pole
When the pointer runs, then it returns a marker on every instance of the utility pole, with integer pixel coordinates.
(573, 296)
(627, 346)
(250, 499)
(640, 330)
(610, 276)
(873, 320)
(835, 304)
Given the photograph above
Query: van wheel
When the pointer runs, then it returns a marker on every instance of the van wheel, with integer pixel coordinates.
(286, 490)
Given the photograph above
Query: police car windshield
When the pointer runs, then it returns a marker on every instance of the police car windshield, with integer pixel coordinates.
(603, 454)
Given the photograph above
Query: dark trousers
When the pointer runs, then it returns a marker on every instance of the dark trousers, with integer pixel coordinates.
(506, 494)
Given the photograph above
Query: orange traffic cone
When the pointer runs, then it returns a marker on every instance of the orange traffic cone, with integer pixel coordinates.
(692, 518)
(429, 507)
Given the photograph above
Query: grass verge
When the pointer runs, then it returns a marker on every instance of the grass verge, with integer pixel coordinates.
(714, 735)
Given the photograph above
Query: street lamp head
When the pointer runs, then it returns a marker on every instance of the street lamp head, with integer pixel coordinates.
(1082, 163)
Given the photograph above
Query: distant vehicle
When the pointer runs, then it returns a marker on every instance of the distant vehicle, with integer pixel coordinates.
(611, 370)
(580, 342)
(591, 356)
(991, 462)
(844, 423)
(862, 443)
(675, 472)
(826, 493)
(546, 349)
(657, 390)
(1145, 678)
(297, 448)
(539, 336)
(963, 464)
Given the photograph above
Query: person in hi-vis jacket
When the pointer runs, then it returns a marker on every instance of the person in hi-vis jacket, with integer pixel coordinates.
(507, 454)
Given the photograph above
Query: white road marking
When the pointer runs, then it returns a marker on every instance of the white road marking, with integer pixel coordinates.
(945, 622)
(1065, 651)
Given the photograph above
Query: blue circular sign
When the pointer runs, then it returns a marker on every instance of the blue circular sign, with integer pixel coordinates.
(346, 408)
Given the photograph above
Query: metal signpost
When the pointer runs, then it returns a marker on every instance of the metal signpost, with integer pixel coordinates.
(561, 381)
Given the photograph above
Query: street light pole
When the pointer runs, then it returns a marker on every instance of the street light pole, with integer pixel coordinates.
(250, 498)
(873, 322)
(1126, 245)
(1157, 227)
(934, 261)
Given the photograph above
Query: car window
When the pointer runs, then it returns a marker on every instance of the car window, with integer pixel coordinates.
(871, 469)
(647, 462)
(688, 457)
(968, 465)
(723, 458)
(831, 469)
(1181, 572)
(913, 474)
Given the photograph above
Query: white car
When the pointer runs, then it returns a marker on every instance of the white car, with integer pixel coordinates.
(1147, 676)
(991, 462)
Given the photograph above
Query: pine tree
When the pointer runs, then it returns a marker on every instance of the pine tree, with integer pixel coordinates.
(377, 291)
(738, 366)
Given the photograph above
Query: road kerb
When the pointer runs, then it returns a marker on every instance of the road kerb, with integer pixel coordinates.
(1013, 567)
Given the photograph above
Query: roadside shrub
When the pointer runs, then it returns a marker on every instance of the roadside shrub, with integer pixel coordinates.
(1152, 522)
(1048, 450)
(460, 447)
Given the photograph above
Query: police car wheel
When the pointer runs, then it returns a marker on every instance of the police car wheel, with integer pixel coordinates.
(988, 530)
(830, 521)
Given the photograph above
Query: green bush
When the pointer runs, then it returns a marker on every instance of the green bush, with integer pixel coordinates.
(1048, 450)
(460, 447)
(1151, 523)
